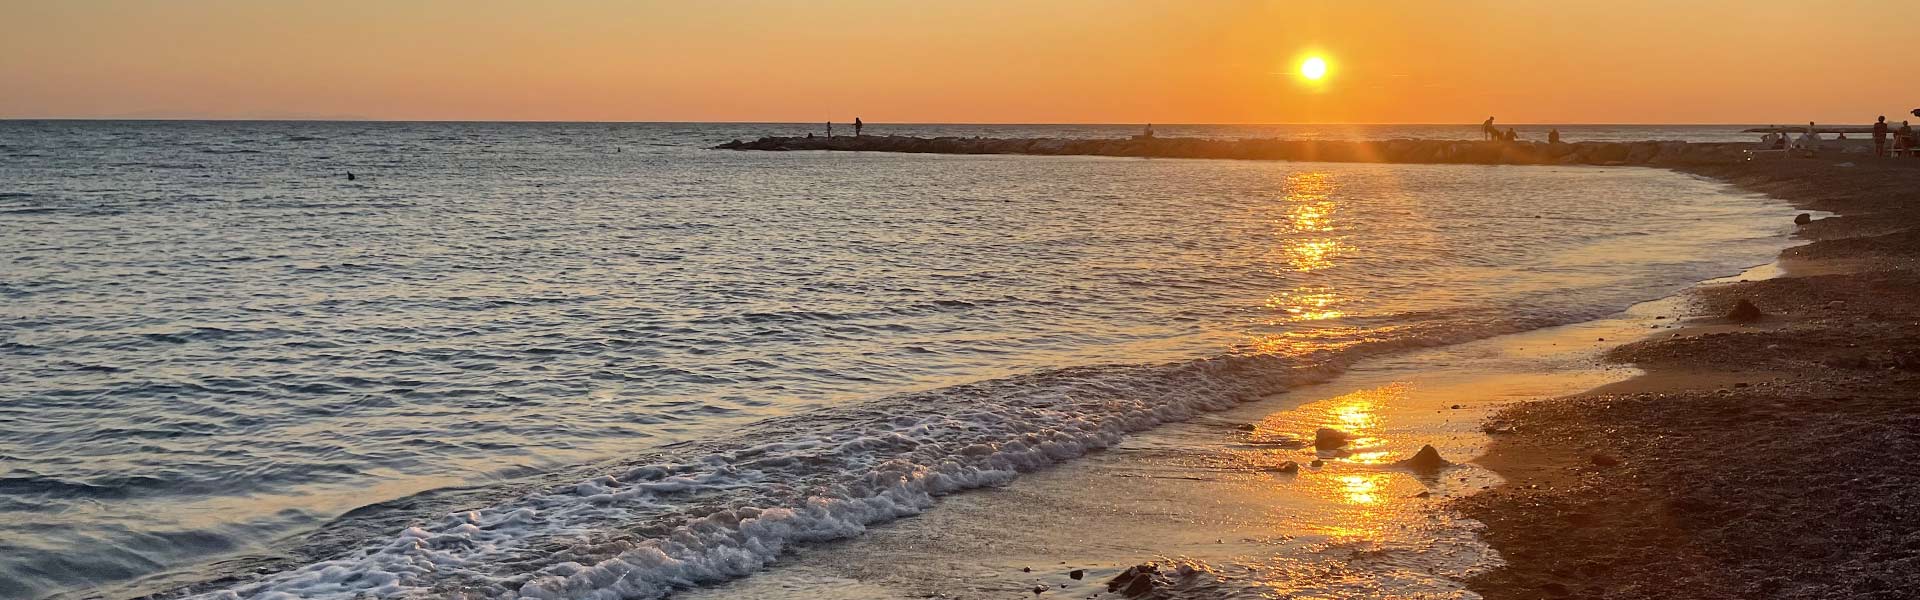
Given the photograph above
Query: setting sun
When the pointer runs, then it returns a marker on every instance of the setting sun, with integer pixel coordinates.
(1313, 68)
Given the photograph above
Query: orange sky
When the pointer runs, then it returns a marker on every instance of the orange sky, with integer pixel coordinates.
(1025, 61)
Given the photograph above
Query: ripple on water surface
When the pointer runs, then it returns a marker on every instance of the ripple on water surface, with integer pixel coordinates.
(213, 341)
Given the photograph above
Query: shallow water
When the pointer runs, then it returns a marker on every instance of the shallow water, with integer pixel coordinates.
(1211, 493)
(214, 344)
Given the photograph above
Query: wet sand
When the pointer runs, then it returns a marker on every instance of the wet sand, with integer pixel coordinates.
(1214, 494)
(1773, 459)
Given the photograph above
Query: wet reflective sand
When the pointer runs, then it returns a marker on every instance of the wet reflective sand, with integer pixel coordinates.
(1212, 493)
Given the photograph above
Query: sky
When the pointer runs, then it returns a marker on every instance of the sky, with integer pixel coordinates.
(973, 61)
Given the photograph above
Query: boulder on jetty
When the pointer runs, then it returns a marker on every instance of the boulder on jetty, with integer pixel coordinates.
(1383, 151)
(1744, 312)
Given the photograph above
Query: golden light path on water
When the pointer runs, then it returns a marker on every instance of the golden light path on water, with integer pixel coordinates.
(1307, 228)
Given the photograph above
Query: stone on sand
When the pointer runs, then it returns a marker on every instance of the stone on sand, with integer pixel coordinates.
(1744, 312)
(1427, 459)
(1329, 439)
(1135, 581)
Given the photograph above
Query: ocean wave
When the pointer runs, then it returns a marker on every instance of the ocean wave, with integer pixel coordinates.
(723, 510)
(828, 476)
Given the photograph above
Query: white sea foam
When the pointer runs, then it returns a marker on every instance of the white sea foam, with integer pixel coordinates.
(645, 530)
(728, 514)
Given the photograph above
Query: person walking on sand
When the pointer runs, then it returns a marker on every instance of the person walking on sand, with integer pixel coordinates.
(1490, 132)
(857, 125)
(1880, 137)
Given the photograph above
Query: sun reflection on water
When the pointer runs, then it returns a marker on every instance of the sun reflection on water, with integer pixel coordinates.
(1362, 488)
(1306, 241)
(1307, 304)
(1306, 256)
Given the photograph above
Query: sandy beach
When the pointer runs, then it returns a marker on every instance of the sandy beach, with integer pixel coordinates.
(1755, 459)
(1708, 457)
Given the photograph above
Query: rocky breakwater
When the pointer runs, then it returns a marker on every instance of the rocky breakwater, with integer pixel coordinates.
(1387, 151)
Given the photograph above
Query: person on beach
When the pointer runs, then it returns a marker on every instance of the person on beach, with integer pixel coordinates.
(857, 125)
(1880, 137)
(829, 128)
(1903, 138)
(1488, 130)
(1811, 139)
(1553, 135)
(1511, 136)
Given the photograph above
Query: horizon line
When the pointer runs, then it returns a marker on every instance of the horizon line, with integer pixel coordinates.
(868, 123)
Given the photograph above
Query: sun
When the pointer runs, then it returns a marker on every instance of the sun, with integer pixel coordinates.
(1313, 68)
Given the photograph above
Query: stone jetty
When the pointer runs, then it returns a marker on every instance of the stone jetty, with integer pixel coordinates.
(1387, 151)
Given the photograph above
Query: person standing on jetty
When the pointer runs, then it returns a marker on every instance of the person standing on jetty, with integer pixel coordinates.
(1553, 135)
(1880, 137)
(1487, 128)
(857, 125)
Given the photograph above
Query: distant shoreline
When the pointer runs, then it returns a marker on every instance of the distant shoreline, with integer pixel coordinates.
(1422, 151)
(159, 119)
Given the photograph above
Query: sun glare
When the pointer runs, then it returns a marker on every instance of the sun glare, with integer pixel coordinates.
(1313, 68)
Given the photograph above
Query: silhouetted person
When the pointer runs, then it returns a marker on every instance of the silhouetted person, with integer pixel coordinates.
(1149, 132)
(829, 128)
(1512, 136)
(1489, 130)
(857, 125)
(1880, 136)
(1905, 137)
(1811, 139)
(1553, 135)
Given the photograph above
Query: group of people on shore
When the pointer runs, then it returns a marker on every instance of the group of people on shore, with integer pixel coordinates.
(1887, 140)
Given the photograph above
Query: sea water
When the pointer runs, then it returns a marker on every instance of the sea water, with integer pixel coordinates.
(601, 360)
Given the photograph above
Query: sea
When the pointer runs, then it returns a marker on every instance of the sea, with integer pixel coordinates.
(603, 360)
